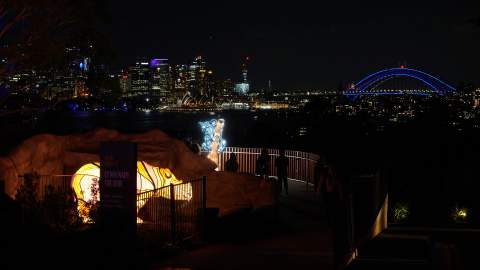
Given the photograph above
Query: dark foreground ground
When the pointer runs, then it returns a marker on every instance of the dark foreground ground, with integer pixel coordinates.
(298, 238)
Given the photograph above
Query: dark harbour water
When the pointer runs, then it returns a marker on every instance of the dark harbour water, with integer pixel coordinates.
(242, 128)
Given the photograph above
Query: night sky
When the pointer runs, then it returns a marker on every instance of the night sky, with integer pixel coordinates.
(301, 45)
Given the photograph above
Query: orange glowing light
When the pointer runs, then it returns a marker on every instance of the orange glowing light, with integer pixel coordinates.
(85, 183)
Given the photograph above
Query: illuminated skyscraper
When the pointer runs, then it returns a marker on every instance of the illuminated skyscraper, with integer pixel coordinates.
(180, 75)
(124, 81)
(160, 81)
(140, 79)
(198, 77)
(225, 87)
(476, 98)
(243, 87)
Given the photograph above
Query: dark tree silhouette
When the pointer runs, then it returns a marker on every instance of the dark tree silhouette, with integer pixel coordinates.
(35, 33)
(475, 21)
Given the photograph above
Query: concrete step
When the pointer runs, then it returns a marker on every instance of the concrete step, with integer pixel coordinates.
(389, 263)
(397, 247)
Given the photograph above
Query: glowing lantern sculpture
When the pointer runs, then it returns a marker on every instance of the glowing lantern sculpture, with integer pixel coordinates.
(213, 142)
(85, 183)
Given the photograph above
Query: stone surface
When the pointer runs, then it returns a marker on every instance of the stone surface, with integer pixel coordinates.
(48, 154)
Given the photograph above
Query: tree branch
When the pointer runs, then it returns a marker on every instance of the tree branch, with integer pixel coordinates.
(5, 29)
(18, 18)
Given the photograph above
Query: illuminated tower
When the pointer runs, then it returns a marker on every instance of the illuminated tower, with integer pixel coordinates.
(245, 70)
(476, 98)
(243, 87)
(160, 79)
(140, 79)
(197, 77)
(179, 81)
(124, 80)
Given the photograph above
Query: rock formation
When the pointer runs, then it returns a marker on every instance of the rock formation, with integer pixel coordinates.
(48, 154)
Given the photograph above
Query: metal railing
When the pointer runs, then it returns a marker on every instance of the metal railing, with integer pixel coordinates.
(43, 185)
(301, 165)
(47, 199)
(173, 213)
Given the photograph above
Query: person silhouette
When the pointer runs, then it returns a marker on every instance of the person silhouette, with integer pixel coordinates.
(317, 172)
(232, 165)
(261, 168)
(336, 207)
(281, 162)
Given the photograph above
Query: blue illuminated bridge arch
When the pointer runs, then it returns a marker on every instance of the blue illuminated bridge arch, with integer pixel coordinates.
(373, 80)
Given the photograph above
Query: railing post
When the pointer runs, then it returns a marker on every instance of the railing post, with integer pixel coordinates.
(351, 222)
(172, 213)
(306, 166)
(204, 193)
(203, 212)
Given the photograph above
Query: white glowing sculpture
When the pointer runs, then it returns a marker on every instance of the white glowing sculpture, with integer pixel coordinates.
(86, 186)
(213, 143)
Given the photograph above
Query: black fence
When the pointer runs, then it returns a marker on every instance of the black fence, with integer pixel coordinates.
(172, 213)
(48, 200)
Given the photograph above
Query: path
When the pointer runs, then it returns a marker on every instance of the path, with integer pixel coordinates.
(299, 239)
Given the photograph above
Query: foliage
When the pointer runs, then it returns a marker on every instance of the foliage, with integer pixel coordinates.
(55, 208)
(94, 206)
(401, 212)
(459, 214)
(27, 198)
(59, 209)
(90, 209)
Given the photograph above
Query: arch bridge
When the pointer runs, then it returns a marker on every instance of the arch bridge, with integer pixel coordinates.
(370, 84)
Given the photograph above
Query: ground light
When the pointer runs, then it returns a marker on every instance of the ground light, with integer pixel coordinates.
(85, 183)
(401, 212)
(459, 214)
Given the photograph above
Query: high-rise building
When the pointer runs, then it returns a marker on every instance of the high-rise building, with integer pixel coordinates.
(476, 98)
(180, 76)
(140, 79)
(72, 78)
(243, 87)
(208, 86)
(124, 81)
(225, 87)
(198, 77)
(179, 82)
(161, 79)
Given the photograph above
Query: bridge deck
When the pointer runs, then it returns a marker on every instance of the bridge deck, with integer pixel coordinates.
(299, 238)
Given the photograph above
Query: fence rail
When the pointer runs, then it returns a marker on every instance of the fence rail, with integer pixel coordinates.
(166, 213)
(173, 212)
(43, 185)
(301, 165)
(47, 199)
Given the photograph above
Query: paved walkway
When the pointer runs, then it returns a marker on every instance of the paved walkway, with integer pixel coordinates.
(298, 239)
